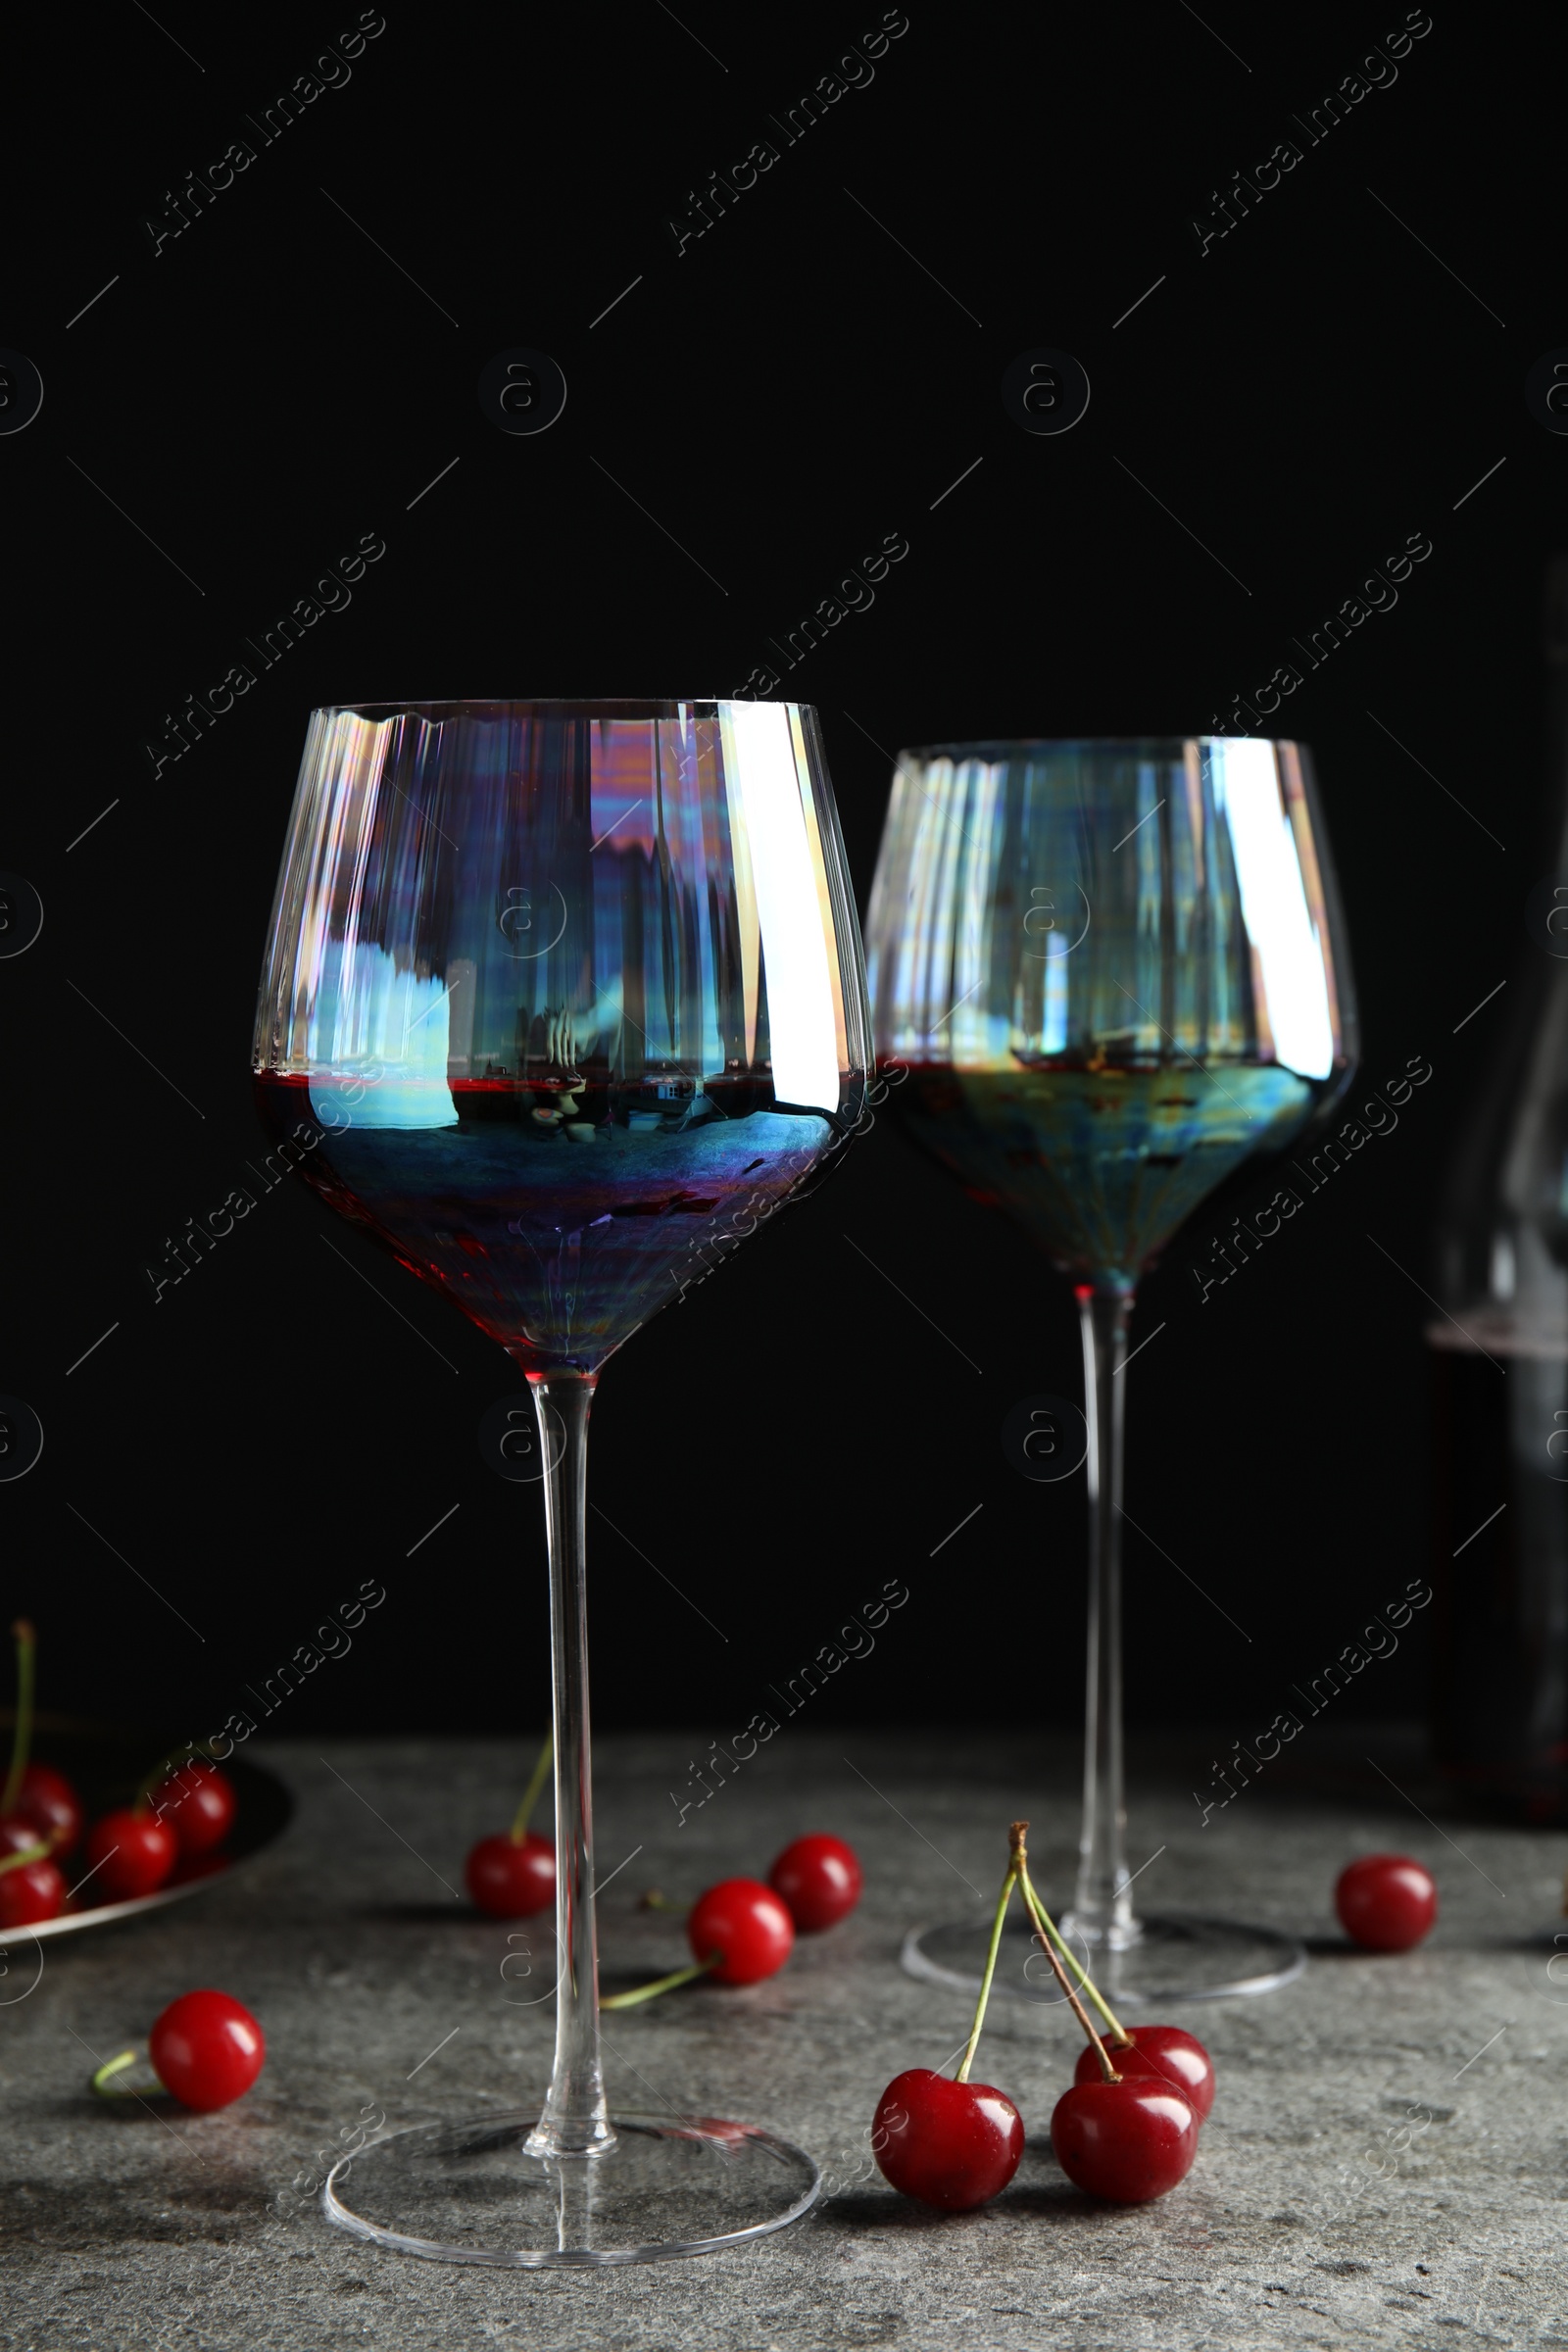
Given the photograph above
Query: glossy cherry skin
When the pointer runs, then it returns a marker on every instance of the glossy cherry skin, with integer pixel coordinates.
(199, 1804)
(1124, 2141)
(952, 2144)
(17, 1835)
(48, 1800)
(206, 2050)
(512, 1877)
(137, 1852)
(821, 1879)
(1176, 2056)
(1386, 1902)
(33, 1892)
(748, 1923)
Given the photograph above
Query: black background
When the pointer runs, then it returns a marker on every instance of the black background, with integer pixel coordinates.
(235, 1461)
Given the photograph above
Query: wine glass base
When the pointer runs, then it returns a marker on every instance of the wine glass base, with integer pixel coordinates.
(469, 2192)
(1176, 1957)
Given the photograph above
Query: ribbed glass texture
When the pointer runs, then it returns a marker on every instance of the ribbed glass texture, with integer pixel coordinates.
(1114, 969)
(560, 998)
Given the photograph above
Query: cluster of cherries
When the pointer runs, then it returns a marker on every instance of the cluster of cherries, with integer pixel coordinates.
(1126, 2131)
(740, 1930)
(181, 1813)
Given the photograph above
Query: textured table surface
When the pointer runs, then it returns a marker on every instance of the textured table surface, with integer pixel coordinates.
(1321, 2209)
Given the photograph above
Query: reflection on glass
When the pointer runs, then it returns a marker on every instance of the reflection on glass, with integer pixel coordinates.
(560, 1000)
(1115, 972)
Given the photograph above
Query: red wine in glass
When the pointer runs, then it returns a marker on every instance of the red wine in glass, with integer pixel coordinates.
(561, 1002)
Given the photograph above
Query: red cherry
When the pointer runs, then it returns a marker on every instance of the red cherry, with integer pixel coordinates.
(48, 1800)
(1386, 1902)
(17, 1835)
(199, 1804)
(820, 1881)
(1125, 2141)
(1177, 2057)
(31, 1891)
(206, 2050)
(136, 1851)
(512, 1877)
(745, 1920)
(952, 2144)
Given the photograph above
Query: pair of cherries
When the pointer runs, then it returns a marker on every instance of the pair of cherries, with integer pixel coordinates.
(816, 1882)
(1126, 2131)
(742, 1931)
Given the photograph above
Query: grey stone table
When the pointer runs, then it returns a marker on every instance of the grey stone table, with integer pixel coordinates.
(1387, 2162)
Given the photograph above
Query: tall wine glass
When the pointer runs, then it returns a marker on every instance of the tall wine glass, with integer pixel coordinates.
(559, 999)
(1116, 971)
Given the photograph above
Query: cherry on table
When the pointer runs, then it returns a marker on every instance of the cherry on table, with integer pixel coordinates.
(748, 1925)
(1125, 2141)
(512, 1877)
(199, 1804)
(1176, 2057)
(821, 1879)
(951, 2144)
(48, 1800)
(30, 1891)
(206, 2050)
(131, 1853)
(1386, 1902)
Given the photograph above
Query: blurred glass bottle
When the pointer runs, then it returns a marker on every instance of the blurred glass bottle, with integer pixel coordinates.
(1499, 1366)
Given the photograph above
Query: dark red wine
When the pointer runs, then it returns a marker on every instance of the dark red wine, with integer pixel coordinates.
(558, 1218)
(1101, 1166)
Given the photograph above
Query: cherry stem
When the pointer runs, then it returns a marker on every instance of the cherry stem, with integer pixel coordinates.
(1022, 1864)
(647, 1993)
(1003, 1901)
(531, 1795)
(102, 2081)
(29, 1853)
(22, 1739)
(1042, 1918)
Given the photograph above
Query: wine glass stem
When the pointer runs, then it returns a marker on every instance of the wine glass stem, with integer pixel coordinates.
(575, 2121)
(1103, 1910)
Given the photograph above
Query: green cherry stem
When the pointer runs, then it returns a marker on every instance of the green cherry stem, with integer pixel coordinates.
(1021, 1860)
(22, 1739)
(647, 1993)
(531, 1795)
(29, 1853)
(103, 2081)
(1015, 1835)
(1044, 1922)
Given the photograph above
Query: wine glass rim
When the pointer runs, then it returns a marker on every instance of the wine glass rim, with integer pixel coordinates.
(1021, 745)
(564, 706)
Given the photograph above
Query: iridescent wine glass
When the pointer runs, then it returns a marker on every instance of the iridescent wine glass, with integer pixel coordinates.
(1116, 972)
(560, 1000)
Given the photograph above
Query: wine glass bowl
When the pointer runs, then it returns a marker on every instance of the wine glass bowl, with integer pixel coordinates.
(1108, 969)
(522, 952)
(561, 1001)
(1115, 972)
